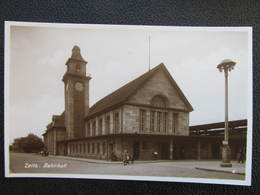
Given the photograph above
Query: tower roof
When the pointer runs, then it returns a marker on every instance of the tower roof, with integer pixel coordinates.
(76, 55)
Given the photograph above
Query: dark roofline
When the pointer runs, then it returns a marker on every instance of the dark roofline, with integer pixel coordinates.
(231, 124)
(184, 137)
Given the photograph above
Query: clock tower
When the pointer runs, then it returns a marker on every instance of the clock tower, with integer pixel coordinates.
(76, 94)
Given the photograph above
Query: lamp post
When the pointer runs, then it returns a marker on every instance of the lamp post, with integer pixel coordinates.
(226, 66)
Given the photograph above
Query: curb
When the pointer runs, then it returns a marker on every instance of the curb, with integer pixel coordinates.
(221, 171)
(105, 162)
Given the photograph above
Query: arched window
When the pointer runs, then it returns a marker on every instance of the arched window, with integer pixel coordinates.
(159, 101)
(78, 67)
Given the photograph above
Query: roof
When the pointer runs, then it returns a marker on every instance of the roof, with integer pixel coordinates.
(57, 121)
(122, 94)
(231, 124)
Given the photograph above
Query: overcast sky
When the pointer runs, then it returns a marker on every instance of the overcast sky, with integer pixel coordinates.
(116, 56)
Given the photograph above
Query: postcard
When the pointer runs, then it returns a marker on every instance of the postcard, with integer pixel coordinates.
(128, 102)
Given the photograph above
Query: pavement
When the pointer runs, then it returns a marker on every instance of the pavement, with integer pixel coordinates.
(34, 164)
(105, 161)
(211, 165)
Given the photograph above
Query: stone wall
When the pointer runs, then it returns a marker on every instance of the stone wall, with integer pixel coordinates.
(158, 84)
(131, 121)
(103, 131)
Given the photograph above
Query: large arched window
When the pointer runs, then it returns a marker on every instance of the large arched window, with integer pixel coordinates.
(159, 101)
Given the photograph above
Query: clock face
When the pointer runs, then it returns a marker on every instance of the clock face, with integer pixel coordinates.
(79, 86)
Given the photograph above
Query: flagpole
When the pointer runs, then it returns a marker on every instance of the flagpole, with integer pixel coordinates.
(149, 54)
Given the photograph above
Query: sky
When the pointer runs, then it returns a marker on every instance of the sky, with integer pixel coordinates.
(116, 55)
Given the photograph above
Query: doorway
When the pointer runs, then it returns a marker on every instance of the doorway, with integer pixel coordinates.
(136, 150)
(165, 154)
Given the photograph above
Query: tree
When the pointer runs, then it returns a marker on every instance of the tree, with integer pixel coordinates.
(30, 143)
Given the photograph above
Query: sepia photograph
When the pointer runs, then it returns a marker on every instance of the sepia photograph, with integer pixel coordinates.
(128, 102)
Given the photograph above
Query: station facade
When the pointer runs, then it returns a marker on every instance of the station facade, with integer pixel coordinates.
(147, 116)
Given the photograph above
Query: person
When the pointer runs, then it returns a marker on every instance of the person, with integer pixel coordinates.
(126, 157)
(240, 156)
(155, 155)
(131, 159)
(113, 157)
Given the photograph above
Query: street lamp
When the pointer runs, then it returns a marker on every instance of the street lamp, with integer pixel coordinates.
(226, 65)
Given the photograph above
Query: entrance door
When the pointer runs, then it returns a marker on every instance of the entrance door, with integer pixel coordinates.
(65, 149)
(136, 147)
(165, 151)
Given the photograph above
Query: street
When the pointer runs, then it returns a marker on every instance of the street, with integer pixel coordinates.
(34, 163)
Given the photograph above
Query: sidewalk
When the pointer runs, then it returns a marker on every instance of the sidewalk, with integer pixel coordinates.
(215, 166)
(210, 165)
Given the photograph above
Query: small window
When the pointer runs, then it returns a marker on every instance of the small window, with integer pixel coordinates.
(107, 127)
(104, 148)
(116, 122)
(93, 148)
(142, 120)
(88, 148)
(88, 129)
(159, 121)
(100, 125)
(165, 122)
(174, 122)
(94, 128)
(152, 116)
(159, 101)
(98, 148)
(78, 67)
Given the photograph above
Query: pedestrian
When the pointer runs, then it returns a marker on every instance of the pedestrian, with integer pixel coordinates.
(241, 156)
(126, 157)
(155, 155)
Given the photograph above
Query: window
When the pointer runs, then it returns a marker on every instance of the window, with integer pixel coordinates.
(93, 148)
(116, 122)
(174, 122)
(159, 101)
(88, 129)
(88, 148)
(107, 125)
(94, 128)
(159, 121)
(84, 148)
(152, 116)
(165, 115)
(142, 120)
(78, 67)
(104, 148)
(100, 121)
(98, 148)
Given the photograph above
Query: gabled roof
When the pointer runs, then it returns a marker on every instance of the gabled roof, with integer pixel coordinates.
(122, 94)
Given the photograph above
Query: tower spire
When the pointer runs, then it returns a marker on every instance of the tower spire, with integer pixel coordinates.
(76, 54)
